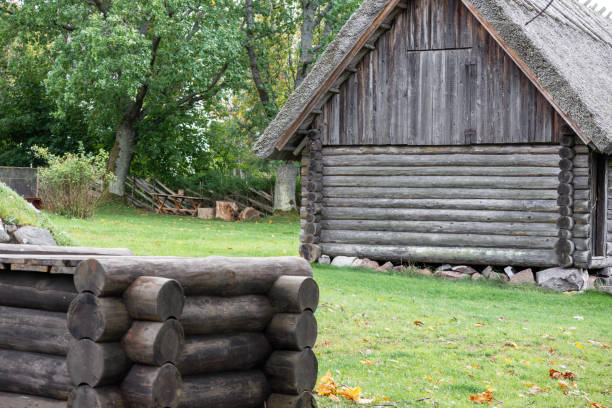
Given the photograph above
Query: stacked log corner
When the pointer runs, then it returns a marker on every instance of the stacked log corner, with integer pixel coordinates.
(126, 345)
(565, 247)
(246, 324)
(292, 367)
(312, 196)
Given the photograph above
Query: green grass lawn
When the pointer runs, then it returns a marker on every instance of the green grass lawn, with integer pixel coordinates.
(367, 331)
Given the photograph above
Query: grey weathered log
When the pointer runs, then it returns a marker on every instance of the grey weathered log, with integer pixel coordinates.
(451, 204)
(565, 177)
(213, 275)
(34, 330)
(452, 255)
(223, 352)
(310, 252)
(292, 331)
(582, 218)
(443, 193)
(440, 171)
(493, 182)
(294, 294)
(44, 375)
(62, 250)
(350, 213)
(454, 159)
(435, 239)
(154, 343)
(96, 364)
(303, 400)
(566, 152)
(98, 319)
(152, 387)
(566, 211)
(312, 228)
(214, 315)
(154, 298)
(85, 396)
(493, 228)
(436, 150)
(581, 231)
(18, 400)
(582, 259)
(565, 223)
(36, 291)
(292, 372)
(239, 389)
(566, 164)
(581, 160)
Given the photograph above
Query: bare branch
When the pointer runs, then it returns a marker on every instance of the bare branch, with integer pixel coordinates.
(194, 97)
(66, 27)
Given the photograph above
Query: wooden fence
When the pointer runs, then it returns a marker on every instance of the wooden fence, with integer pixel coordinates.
(141, 193)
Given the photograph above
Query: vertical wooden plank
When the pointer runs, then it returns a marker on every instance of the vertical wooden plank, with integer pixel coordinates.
(354, 95)
(369, 107)
(342, 115)
(374, 84)
(335, 120)
(381, 92)
(425, 99)
(515, 104)
(439, 113)
(361, 102)
(414, 86)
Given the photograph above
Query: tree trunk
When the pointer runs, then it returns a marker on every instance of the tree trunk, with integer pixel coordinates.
(121, 155)
(284, 188)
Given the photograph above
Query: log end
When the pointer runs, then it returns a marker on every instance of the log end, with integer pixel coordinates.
(85, 318)
(171, 300)
(85, 396)
(169, 342)
(304, 400)
(89, 276)
(309, 295)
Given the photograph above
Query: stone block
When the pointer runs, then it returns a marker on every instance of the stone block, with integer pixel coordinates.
(207, 213)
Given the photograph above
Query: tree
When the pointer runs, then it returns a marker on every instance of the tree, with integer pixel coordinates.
(134, 66)
(318, 22)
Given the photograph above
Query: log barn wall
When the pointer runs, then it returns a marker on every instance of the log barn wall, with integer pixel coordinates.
(476, 204)
(436, 77)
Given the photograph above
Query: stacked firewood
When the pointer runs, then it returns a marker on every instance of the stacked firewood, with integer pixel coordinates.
(214, 332)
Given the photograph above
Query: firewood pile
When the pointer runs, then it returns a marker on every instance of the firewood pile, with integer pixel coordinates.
(159, 332)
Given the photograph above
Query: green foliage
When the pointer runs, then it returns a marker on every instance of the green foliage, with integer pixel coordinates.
(73, 184)
(15, 210)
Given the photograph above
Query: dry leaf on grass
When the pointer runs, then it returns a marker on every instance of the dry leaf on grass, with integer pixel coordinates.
(366, 362)
(328, 388)
(485, 397)
(511, 344)
(568, 375)
(418, 323)
(597, 405)
(535, 389)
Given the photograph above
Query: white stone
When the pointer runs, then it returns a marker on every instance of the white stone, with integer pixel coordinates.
(324, 259)
(33, 236)
(343, 260)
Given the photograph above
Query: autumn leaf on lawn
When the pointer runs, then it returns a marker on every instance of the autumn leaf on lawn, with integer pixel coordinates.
(480, 324)
(418, 323)
(366, 362)
(327, 386)
(557, 375)
(563, 385)
(511, 344)
(535, 389)
(352, 394)
(596, 405)
(485, 397)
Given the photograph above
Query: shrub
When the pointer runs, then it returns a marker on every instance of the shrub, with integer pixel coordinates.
(73, 184)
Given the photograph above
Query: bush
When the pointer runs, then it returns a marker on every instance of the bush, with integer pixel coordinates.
(73, 184)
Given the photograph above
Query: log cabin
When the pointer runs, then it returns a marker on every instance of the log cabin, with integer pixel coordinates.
(456, 131)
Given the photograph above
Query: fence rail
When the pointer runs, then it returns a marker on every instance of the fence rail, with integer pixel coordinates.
(140, 193)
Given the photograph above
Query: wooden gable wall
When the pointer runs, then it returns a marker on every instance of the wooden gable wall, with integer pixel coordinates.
(437, 78)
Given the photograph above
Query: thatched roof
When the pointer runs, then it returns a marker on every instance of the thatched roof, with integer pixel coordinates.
(567, 51)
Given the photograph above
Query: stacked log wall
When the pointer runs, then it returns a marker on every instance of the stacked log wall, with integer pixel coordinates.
(132, 335)
(312, 186)
(487, 204)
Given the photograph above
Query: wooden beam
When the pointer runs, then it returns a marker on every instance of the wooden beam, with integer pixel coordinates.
(300, 147)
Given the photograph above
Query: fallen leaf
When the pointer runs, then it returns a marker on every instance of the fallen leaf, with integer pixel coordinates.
(485, 397)
(480, 324)
(597, 405)
(535, 389)
(579, 345)
(562, 385)
(511, 344)
(418, 323)
(568, 375)
(366, 362)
